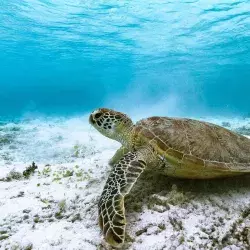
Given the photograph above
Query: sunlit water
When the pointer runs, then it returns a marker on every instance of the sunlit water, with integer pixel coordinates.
(167, 57)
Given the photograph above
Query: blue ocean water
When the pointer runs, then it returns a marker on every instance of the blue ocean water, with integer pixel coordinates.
(180, 57)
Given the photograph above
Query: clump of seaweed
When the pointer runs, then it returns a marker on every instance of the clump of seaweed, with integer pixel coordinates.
(68, 173)
(79, 151)
(61, 209)
(29, 170)
(14, 175)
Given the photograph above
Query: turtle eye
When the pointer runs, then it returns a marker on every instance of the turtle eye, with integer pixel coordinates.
(97, 115)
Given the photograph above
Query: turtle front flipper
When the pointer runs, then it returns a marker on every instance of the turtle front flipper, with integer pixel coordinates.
(118, 155)
(111, 205)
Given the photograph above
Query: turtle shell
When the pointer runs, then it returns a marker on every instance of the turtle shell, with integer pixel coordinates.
(195, 149)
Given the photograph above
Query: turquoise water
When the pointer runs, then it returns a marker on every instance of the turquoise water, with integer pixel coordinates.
(180, 57)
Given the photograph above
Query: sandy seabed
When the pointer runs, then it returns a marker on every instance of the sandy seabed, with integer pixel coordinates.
(56, 208)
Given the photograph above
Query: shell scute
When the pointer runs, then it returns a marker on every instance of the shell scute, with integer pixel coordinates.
(217, 165)
(190, 160)
(163, 146)
(174, 154)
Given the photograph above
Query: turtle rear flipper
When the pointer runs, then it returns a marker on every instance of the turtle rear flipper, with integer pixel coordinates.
(111, 205)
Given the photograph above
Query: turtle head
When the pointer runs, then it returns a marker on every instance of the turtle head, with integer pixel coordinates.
(112, 124)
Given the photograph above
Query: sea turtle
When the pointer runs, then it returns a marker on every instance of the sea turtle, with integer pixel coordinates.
(179, 147)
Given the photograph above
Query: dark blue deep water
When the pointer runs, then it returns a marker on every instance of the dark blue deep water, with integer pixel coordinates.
(68, 57)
